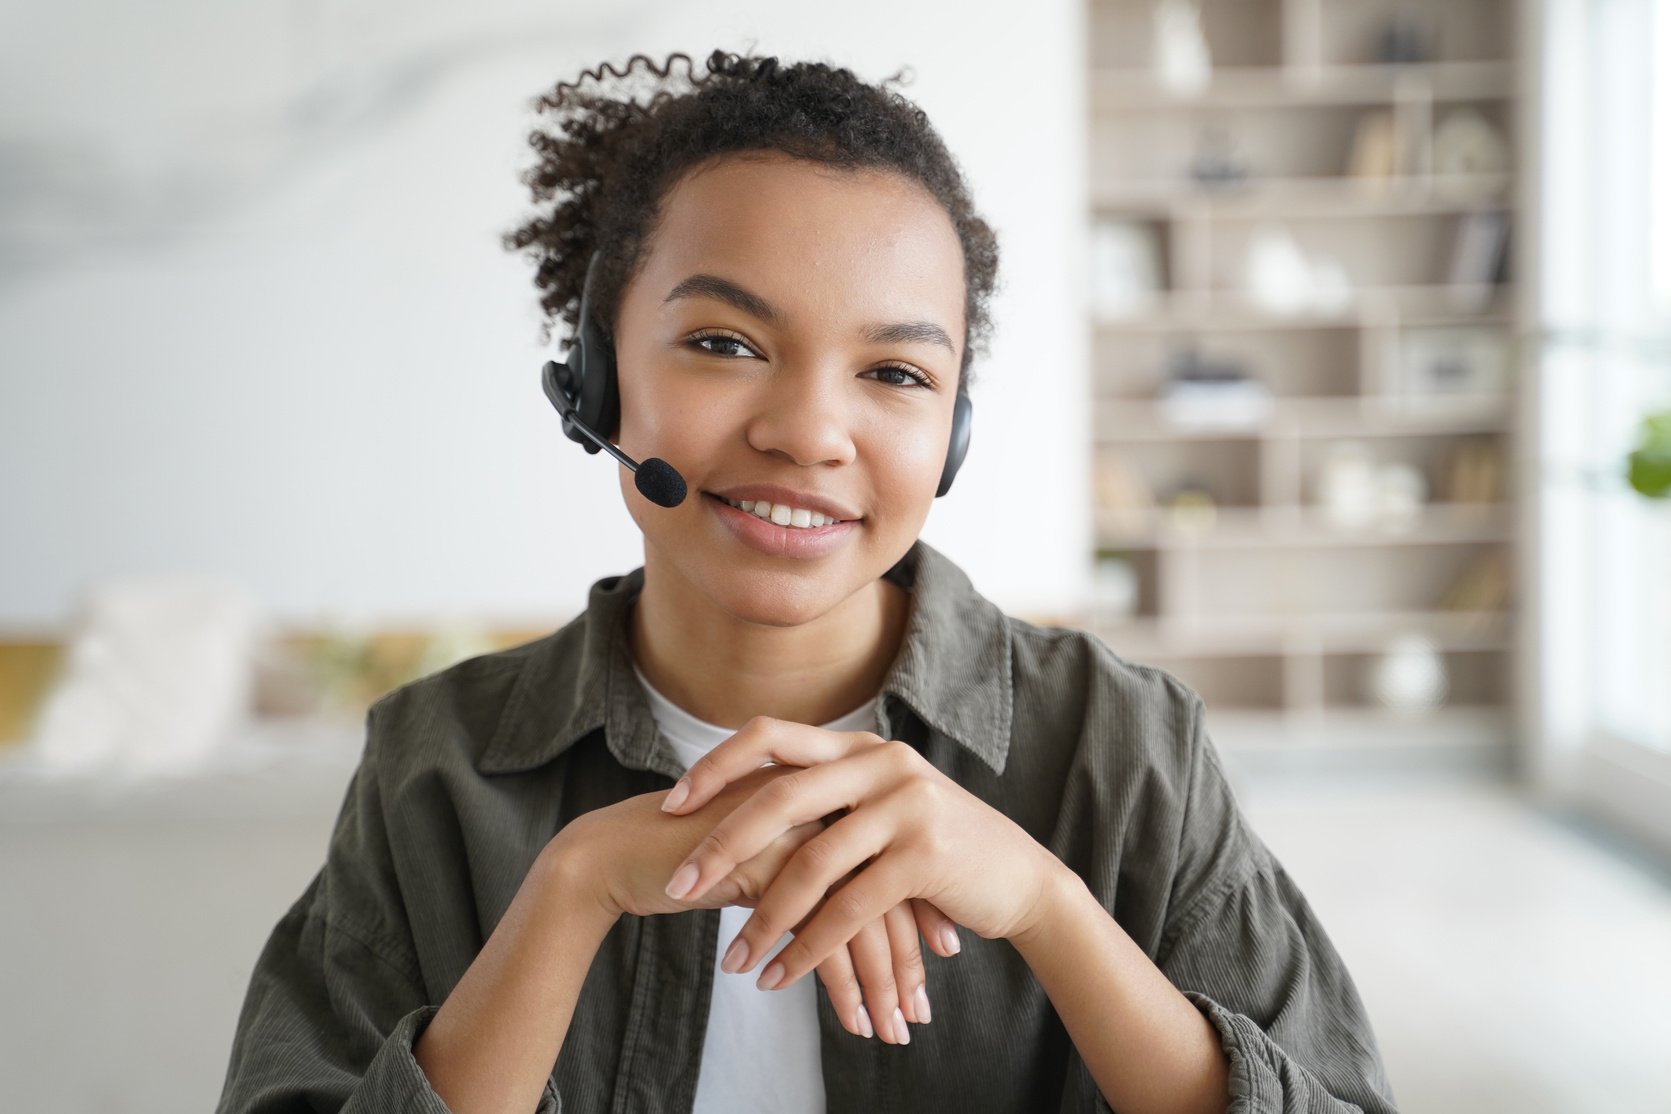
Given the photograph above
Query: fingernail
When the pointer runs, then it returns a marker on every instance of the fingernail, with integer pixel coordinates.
(902, 1033)
(683, 879)
(770, 977)
(923, 1015)
(864, 1022)
(677, 795)
(949, 940)
(736, 957)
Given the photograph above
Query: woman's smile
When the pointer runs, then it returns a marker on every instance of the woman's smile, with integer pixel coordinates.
(778, 539)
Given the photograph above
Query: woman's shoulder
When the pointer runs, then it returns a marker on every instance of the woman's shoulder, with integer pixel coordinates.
(1067, 660)
(451, 716)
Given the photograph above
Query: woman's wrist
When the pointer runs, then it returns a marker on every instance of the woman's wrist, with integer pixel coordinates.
(1057, 892)
(570, 881)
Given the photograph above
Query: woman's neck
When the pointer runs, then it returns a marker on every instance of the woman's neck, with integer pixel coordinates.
(726, 670)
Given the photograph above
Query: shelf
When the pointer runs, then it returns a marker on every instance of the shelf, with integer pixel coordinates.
(1122, 420)
(1257, 731)
(1301, 527)
(1126, 90)
(1375, 307)
(1343, 633)
(1306, 198)
(1256, 598)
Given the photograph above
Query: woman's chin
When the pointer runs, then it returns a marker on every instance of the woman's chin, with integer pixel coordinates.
(776, 604)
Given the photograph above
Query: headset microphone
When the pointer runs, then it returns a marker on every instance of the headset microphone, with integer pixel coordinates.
(583, 389)
(657, 480)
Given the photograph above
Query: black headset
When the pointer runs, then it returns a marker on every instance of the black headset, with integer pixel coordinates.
(584, 390)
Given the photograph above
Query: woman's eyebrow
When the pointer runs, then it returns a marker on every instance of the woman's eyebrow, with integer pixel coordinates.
(712, 286)
(909, 332)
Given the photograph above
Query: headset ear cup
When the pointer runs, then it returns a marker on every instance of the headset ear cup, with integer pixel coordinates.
(596, 368)
(593, 362)
(609, 405)
(957, 447)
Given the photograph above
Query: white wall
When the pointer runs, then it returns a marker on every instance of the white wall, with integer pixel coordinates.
(255, 320)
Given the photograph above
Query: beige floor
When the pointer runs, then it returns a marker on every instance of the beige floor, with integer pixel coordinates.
(1512, 958)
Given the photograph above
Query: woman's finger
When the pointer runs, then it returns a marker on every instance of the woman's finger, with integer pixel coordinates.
(797, 798)
(907, 956)
(874, 966)
(812, 872)
(761, 740)
(938, 929)
(846, 994)
(879, 887)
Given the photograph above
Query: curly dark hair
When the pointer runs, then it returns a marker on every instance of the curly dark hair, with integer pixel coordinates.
(621, 144)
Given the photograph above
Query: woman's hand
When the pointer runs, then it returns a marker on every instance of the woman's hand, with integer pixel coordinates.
(627, 850)
(910, 832)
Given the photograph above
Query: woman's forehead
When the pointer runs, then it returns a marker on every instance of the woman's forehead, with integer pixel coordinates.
(808, 231)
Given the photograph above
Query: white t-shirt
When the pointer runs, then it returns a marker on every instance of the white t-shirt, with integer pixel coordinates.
(761, 1050)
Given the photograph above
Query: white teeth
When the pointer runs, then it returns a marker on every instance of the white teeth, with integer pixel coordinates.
(782, 513)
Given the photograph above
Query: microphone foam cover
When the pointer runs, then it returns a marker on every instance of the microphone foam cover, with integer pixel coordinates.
(660, 483)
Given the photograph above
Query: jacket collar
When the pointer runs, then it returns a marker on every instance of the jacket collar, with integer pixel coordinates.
(952, 672)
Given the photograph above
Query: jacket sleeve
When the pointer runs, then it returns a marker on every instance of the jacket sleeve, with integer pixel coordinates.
(337, 1000)
(1246, 949)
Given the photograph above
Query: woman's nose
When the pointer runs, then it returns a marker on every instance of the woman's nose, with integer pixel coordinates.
(804, 416)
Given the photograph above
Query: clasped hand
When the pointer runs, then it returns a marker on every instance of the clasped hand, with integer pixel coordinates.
(909, 833)
(622, 854)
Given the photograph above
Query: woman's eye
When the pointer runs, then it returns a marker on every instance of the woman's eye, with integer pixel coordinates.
(725, 345)
(905, 376)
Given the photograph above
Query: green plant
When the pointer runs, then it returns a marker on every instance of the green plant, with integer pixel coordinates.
(1650, 462)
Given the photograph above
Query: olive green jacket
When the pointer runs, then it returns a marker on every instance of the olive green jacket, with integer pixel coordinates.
(469, 772)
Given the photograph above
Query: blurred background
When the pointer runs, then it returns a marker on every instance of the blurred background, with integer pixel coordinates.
(1332, 373)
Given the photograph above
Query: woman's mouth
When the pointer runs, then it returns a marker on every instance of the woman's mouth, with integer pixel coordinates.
(780, 530)
(782, 514)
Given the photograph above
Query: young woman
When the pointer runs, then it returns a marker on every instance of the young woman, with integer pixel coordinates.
(593, 872)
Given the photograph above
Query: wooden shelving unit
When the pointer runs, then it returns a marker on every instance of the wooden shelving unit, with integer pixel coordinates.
(1271, 607)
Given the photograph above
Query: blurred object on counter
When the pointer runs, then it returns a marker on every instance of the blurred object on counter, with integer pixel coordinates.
(157, 676)
(339, 671)
(28, 670)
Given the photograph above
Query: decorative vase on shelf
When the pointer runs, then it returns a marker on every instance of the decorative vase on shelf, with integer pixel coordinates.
(1402, 495)
(1116, 589)
(1348, 487)
(1278, 274)
(1409, 676)
(1181, 57)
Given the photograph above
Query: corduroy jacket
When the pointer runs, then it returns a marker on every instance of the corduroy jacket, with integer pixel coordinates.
(467, 773)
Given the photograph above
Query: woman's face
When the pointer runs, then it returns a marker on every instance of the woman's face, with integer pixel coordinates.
(793, 335)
